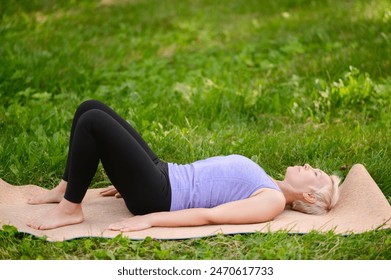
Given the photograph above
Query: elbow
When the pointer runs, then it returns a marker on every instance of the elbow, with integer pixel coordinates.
(211, 217)
(280, 203)
(205, 216)
(215, 216)
(277, 203)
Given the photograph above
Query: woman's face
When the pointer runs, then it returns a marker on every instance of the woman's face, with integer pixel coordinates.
(305, 178)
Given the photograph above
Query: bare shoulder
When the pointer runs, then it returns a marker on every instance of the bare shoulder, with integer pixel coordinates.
(274, 197)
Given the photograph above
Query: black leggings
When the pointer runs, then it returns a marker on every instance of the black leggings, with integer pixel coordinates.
(98, 133)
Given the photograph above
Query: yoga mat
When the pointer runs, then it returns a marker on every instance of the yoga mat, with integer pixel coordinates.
(362, 207)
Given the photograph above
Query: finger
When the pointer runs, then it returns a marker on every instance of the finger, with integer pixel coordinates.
(116, 226)
(108, 192)
(104, 190)
(126, 229)
(113, 227)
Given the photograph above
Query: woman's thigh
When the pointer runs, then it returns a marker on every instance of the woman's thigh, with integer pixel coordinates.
(141, 181)
(95, 104)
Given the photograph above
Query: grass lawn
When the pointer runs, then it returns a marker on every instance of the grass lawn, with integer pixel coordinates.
(282, 82)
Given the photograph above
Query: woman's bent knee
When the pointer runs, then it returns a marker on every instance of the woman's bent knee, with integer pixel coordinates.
(88, 105)
(92, 116)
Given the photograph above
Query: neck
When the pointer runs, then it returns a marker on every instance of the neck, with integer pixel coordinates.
(289, 193)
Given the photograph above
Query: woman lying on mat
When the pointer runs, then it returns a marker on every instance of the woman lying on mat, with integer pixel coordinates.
(219, 190)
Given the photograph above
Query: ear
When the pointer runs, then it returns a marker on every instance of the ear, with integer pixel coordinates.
(309, 197)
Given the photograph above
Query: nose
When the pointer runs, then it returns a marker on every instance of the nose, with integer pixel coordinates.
(307, 166)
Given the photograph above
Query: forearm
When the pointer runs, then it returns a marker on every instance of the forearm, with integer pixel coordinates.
(181, 218)
(260, 208)
(186, 217)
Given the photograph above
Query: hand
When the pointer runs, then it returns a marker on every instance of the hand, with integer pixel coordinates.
(110, 191)
(132, 224)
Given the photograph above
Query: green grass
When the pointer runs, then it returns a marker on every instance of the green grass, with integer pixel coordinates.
(282, 82)
(277, 246)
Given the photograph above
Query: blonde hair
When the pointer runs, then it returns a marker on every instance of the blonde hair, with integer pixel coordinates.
(326, 198)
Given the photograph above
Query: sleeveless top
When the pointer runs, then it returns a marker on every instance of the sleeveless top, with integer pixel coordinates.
(214, 181)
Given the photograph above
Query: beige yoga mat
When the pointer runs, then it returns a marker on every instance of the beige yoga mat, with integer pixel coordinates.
(362, 207)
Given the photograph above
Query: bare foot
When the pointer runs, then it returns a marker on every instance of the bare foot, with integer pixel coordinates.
(53, 196)
(64, 214)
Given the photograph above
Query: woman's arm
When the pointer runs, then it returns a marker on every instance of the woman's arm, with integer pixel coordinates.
(264, 206)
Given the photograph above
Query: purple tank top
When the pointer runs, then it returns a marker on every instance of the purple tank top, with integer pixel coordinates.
(214, 181)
